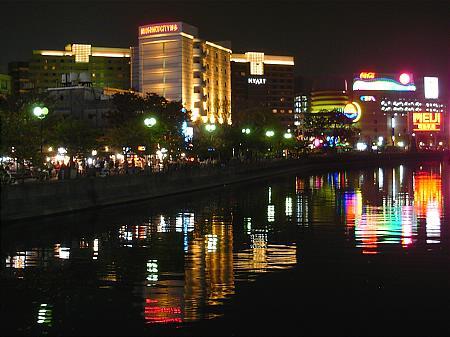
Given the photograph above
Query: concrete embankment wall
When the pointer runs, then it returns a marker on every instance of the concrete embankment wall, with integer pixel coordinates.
(37, 199)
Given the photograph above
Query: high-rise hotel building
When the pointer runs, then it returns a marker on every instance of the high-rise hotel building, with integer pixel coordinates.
(261, 80)
(173, 62)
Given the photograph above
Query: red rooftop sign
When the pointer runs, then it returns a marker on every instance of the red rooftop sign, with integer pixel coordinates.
(158, 29)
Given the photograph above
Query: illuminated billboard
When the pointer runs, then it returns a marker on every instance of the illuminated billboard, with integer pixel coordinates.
(431, 86)
(384, 82)
(353, 111)
(426, 121)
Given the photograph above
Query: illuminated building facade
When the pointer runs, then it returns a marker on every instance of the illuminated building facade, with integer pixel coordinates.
(301, 105)
(329, 93)
(399, 111)
(264, 80)
(173, 62)
(106, 67)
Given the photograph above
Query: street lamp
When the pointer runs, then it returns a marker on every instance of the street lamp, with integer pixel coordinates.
(246, 131)
(270, 133)
(210, 127)
(40, 113)
(287, 135)
(149, 122)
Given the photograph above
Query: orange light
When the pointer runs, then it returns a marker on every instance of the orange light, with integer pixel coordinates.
(427, 121)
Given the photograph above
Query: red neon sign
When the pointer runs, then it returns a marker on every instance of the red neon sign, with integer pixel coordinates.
(158, 29)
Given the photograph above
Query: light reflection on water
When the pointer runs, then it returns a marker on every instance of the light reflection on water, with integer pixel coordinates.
(183, 264)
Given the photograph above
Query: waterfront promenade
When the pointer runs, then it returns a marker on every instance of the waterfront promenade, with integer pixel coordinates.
(37, 199)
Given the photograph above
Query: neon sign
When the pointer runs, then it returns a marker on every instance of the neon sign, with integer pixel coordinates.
(367, 75)
(367, 98)
(257, 81)
(157, 29)
(426, 121)
(382, 84)
(353, 111)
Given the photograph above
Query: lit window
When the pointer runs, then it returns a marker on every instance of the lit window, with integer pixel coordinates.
(256, 63)
(81, 52)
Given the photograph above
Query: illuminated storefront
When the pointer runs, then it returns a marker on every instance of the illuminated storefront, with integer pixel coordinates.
(395, 109)
(173, 62)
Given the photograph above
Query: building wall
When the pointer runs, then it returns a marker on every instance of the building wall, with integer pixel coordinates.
(107, 67)
(161, 67)
(85, 103)
(20, 77)
(134, 68)
(218, 83)
(5, 85)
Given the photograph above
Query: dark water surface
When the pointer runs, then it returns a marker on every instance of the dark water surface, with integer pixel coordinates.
(356, 252)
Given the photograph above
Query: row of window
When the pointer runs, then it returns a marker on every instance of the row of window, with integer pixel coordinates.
(92, 60)
(69, 69)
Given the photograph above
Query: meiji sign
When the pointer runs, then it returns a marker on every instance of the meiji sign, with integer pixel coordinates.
(427, 121)
(257, 81)
(159, 29)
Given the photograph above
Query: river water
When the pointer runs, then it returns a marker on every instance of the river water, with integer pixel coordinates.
(333, 252)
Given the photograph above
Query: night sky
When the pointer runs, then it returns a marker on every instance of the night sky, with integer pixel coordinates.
(326, 37)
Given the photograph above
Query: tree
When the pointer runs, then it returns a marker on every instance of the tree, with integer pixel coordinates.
(21, 130)
(78, 137)
(326, 123)
(127, 128)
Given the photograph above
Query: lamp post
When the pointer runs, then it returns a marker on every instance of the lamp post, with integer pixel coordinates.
(246, 132)
(149, 122)
(210, 128)
(41, 113)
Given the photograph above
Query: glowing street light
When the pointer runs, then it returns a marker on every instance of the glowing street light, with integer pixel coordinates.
(287, 135)
(270, 133)
(41, 113)
(210, 127)
(246, 131)
(149, 122)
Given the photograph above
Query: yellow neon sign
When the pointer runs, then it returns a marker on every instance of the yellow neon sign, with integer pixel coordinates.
(427, 121)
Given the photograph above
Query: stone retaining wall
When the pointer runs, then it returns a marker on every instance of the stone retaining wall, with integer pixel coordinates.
(38, 199)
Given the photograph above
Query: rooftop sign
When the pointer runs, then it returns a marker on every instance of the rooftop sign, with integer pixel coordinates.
(160, 28)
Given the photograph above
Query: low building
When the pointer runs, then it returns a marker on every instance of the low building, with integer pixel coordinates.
(82, 102)
(107, 67)
(264, 80)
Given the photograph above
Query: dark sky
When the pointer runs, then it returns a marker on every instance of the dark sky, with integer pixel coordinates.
(326, 37)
